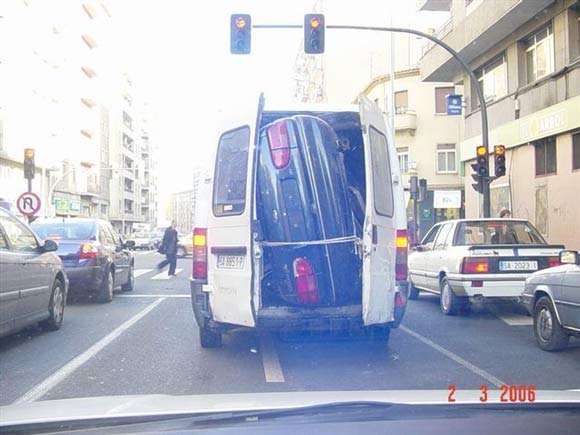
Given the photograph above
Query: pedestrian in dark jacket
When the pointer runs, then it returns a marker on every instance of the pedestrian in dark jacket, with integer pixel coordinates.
(169, 248)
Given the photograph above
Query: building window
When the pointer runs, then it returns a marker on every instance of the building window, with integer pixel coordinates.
(128, 121)
(403, 154)
(539, 54)
(127, 142)
(103, 209)
(401, 101)
(446, 158)
(576, 151)
(546, 158)
(440, 98)
(493, 81)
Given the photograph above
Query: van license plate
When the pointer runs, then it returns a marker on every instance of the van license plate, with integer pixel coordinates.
(518, 265)
(230, 261)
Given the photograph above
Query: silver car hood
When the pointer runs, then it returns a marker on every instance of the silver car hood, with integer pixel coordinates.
(149, 405)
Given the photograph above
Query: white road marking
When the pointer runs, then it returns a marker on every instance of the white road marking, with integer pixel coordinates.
(139, 272)
(270, 361)
(480, 372)
(69, 368)
(143, 252)
(153, 296)
(516, 319)
(163, 275)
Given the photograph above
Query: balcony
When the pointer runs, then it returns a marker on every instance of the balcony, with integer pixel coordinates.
(406, 121)
(473, 31)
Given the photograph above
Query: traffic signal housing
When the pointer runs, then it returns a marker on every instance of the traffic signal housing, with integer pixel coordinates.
(499, 160)
(29, 166)
(481, 168)
(240, 34)
(314, 33)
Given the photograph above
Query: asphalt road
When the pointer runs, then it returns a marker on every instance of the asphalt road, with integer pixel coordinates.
(146, 342)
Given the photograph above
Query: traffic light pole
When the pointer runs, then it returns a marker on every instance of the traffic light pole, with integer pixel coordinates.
(450, 50)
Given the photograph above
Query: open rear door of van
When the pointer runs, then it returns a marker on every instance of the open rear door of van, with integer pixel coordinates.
(379, 250)
(229, 233)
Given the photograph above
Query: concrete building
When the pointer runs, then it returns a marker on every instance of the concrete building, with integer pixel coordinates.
(50, 86)
(180, 209)
(526, 55)
(426, 139)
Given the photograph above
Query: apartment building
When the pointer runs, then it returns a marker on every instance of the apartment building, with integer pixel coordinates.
(180, 209)
(426, 139)
(526, 57)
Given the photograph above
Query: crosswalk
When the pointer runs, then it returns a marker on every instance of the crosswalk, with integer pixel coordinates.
(158, 276)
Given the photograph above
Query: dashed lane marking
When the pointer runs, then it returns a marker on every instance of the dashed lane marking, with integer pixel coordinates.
(139, 272)
(163, 275)
(69, 368)
(516, 319)
(270, 361)
(137, 295)
(478, 371)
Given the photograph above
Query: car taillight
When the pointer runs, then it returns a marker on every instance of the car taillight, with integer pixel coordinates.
(279, 144)
(305, 281)
(199, 253)
(401, 243)
(475, 265)
(554, 261)
(88, 250)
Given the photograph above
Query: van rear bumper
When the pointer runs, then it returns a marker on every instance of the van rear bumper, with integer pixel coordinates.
(295, 318)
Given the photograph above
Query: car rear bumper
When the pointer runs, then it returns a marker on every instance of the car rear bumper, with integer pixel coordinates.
(84, 279)
(489, 287)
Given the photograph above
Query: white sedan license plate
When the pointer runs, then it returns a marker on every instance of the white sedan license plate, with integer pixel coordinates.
(230, 261)
(518, 265)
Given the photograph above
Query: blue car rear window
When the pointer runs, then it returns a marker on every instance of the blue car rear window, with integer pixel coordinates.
(66, 230)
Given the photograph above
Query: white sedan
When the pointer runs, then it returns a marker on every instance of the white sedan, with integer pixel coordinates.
(478, 258)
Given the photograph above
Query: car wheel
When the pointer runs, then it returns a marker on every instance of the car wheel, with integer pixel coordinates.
(56, 308)
(106, 295)
(130, 284)
(209, 339)
(413, 291)
(549, 333)
(450, 304)
(181, 253)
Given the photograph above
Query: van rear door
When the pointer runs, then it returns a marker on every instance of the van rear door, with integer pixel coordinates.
(379, 250)
(230, 268)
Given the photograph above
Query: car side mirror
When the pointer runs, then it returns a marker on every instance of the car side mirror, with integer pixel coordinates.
(50, 246)
(419, 248)
(569, 257)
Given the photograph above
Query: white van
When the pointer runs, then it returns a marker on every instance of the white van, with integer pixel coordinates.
(306, 224)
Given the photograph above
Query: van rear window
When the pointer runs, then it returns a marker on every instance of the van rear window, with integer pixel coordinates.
(382, 184)
(229, 195)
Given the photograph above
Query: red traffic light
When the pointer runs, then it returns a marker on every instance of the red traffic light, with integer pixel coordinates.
(499, 150)
(240, 22)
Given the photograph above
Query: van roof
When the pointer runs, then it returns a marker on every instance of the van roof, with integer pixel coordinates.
(309, 107)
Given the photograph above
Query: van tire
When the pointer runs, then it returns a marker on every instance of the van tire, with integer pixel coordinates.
(209, 339)
(413, 291)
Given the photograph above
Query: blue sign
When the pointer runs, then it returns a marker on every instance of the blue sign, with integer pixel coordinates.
(453, 104)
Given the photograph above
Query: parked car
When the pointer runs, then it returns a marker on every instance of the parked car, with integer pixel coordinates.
(478, 258)
(289, 242)
(552, 297)
(143, 240)
(96, 258)
(33, 284)
(185, 245)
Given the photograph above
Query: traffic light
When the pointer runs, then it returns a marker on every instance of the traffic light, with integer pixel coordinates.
(314, 33)
(480, 167)
(240, 34)
(499, 160)
(29, 168)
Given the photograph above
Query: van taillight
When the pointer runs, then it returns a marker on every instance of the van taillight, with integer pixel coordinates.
(305, 281)
(88, 250)
(199, 253)
(279, 144)
(401, 244)
(475, 265)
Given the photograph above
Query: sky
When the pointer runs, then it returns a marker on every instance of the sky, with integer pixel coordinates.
(178, 54)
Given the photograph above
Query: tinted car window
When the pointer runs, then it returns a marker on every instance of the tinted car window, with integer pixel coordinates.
(3, 241)
(21, 238)
(105, 235)
(382, 185)
(442, 236)
(430, 237)
(497, 232)
(117, 240)
(229, 196)
(66, 230)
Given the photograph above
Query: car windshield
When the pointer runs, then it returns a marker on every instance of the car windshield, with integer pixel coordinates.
(66, 230)
(285, 200)
(499, 232)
